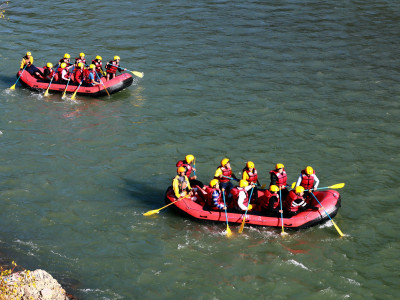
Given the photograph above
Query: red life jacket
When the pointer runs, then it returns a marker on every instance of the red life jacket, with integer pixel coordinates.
(307, 181)
(225, 172)
(252, 175)
(112, 67)
(51, 72)
(86, 78)
(235, 197)
(59, 73)
(282, 178)
(98, 65)
(183, 163)
(209, 198)
(288, 203)
(78, 75)
(265, 201)
(78, 60)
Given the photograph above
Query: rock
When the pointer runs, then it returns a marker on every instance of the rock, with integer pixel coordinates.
(38, 285)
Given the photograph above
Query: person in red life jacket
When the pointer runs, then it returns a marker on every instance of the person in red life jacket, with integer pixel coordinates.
(80, 59)
(224, 174)
(112, 67)
(78, 73)
(48, 71)
(63, 73)
(279, 178)
(66, 59)
(308, 180)
(90, 77)
(180, 184)
(250, 175)
(269, 205)
(27, 63)
(99, 66)
(240, 197)
(295, 202)
(214, 196)
(188, 163)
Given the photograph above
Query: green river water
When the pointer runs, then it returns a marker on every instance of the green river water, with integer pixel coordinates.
(298, 82)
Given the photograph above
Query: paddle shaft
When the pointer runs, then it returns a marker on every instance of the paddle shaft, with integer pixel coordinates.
(280, 203)
(337, 228)
(102, 82)
(13, 86)
(47, 91)
(245, 214)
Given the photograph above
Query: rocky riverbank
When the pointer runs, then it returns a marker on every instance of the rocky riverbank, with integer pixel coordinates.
(37, 285)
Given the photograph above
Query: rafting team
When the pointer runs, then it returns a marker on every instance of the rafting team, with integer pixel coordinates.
(221, 194)
(78, 72)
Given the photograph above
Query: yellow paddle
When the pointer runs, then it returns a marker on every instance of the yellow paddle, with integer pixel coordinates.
(283, 233)
(102, 83)
(155, 211)
(136, 73)
(335, 186)
(13, 86)
(65, 91)
(73, 96)
(228, 230)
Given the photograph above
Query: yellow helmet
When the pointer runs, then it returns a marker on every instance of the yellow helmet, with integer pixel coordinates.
(92, 66)
(116, 57)
(224, 161)
(250, 165)
(99, 57)
(309, 170)
(80, 65)
(189, 158)
(81, 54)
(49, 65)
(279, 166)
(181, 169)
(63, 65)
(28, 53)
(299, 189)
(213, 182)
(243, 183)
(66, 55)
(273, 188)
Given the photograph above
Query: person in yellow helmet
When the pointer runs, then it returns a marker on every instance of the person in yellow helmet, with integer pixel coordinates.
(188, 163)
(224, 174)
(89, 76)
(78, 73)
(180, 184)
(27, 63)
(269, 204)
(279, 178)
(98, 62)
(80, 59)
(240, 196)
(112, 67)
(308, 180)
(48, 71)
(295, 202)
(66, 59)
(214, 198)
(251, 176)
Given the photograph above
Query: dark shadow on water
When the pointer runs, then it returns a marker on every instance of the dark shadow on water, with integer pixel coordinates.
(151, 193)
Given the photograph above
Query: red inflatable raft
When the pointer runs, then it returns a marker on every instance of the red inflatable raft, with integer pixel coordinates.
(195, 208)
(114, 85)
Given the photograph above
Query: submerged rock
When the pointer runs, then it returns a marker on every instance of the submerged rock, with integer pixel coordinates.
(38, 285)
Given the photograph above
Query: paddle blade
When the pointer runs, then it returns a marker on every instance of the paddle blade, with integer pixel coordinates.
(293, 185)
(46, 93)
(228, 231)
(73, 96)
(151, 212)
(138, 74)
(283, 234)
(336, 186)
(242, 226)
(13, 87)
(337, 228)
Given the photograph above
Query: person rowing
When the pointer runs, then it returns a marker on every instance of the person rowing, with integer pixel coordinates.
(112, 67)
(27, 64)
